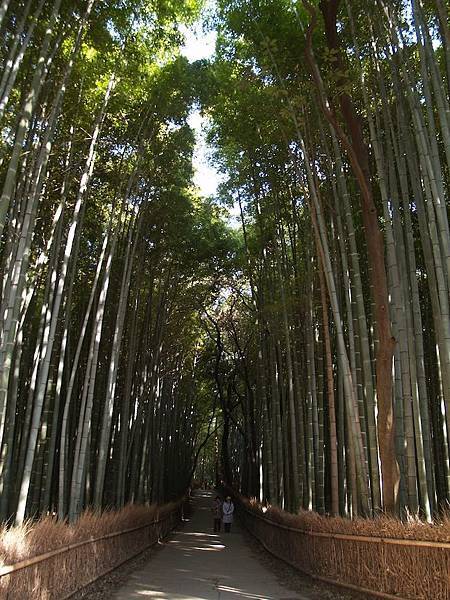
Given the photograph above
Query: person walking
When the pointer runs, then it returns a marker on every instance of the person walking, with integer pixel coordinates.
(227, 512)
(217, 513)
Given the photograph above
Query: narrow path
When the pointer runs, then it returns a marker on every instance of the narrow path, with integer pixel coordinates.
(197, 564)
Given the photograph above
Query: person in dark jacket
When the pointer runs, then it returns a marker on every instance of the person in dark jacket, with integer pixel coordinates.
(217, 513)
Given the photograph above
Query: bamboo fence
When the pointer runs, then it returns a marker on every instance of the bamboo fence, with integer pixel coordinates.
(376, 567)
(60, 573)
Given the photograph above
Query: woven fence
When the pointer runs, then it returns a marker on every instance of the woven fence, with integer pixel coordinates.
(60, 573)
(374, 566)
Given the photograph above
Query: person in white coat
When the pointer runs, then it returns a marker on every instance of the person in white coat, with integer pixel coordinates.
(227, 512)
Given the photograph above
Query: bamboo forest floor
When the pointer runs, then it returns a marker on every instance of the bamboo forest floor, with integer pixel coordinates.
(196, 564)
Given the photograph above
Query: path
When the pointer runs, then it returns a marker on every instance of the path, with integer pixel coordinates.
(197, 564)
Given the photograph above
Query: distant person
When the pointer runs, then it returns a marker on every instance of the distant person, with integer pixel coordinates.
(217, 513)
(227, 512)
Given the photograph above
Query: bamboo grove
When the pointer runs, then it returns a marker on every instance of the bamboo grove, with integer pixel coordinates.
(106, 254)
(304, 353)
(330, 121)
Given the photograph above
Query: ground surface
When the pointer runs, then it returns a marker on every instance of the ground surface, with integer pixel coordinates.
(196, 564)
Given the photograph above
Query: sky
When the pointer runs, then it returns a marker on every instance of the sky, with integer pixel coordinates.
(198, 45)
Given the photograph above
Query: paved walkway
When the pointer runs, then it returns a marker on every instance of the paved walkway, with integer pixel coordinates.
(197, 564)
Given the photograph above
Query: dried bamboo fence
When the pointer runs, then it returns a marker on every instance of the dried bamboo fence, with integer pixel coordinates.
(376, 567)
(60, 573)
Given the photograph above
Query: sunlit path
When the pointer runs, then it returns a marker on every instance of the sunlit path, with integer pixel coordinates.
(197, 564)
